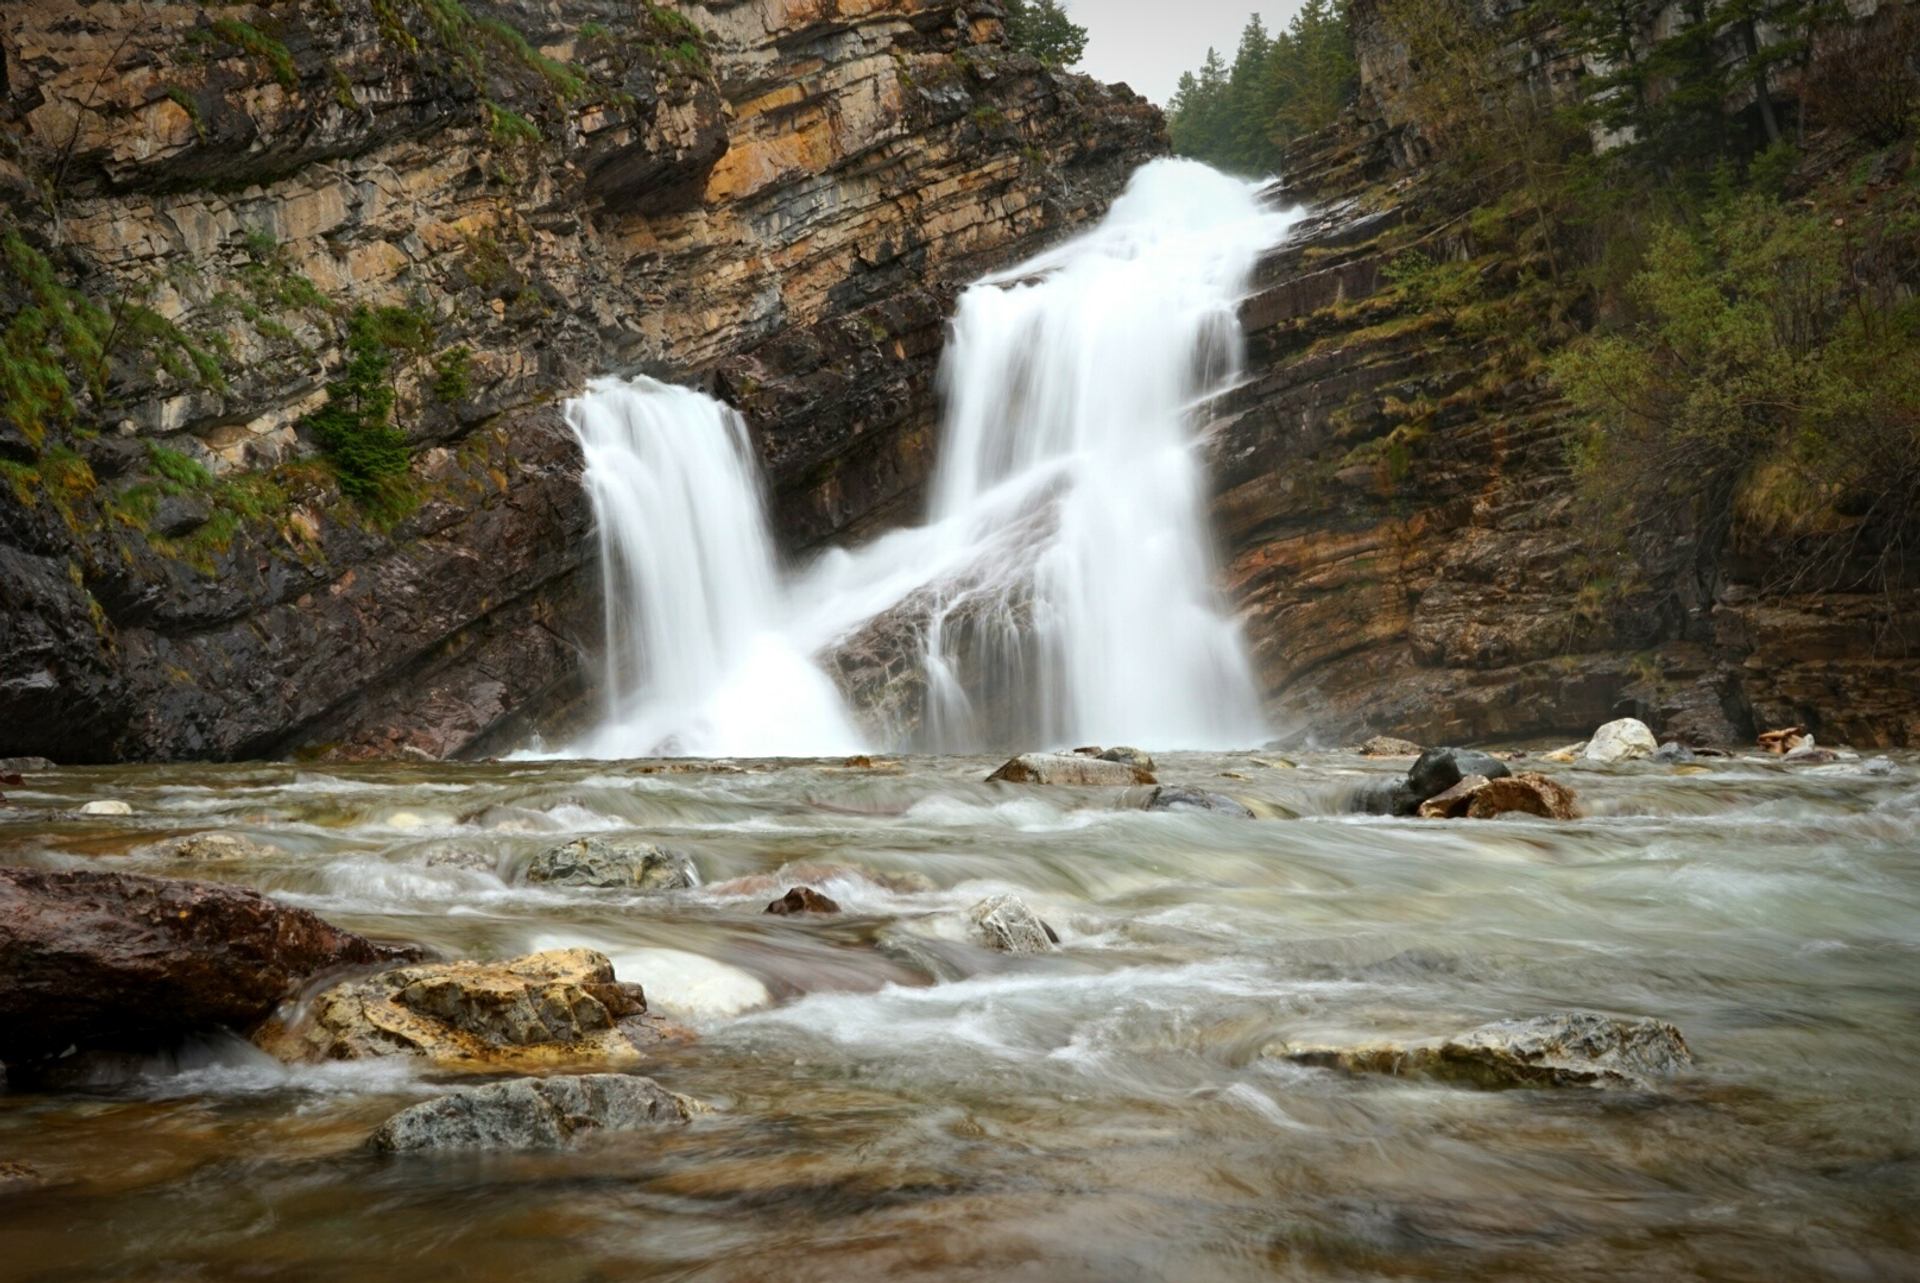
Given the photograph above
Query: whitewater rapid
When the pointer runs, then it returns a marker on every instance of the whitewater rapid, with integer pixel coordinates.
(1064, 587)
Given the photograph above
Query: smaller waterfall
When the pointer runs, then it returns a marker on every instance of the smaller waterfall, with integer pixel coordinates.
(697, 661)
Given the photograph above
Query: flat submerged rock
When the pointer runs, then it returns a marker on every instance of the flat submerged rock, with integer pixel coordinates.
(533, 1113)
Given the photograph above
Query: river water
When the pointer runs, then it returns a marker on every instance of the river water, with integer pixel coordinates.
(892, 1102)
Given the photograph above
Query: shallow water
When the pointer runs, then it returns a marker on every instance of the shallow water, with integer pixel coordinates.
(892, 1102)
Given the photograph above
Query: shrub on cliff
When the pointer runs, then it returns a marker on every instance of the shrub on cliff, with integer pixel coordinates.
(355, 428)
(1767, 377)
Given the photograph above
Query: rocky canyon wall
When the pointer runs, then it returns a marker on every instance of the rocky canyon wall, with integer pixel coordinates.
(220, 210)
(1395, 497)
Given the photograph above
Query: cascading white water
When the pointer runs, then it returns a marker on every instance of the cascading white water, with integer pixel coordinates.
(1064, 586)
(697, 656)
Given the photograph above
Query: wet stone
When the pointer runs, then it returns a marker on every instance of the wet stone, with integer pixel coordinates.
(533, 1113)
(596, 862)
(1006, 923)
(802, 900)
(1071, 769)
(1573, 1049)
(1168, 797)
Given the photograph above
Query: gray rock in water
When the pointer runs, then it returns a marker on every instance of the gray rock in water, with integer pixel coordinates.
(212, 847)
(24, 765)
(1004, 922)
(533, 1113)
(1126, 756)
(1070, 768)
(1673, 753)
(1569, 1049)
(596, 862)
(1880, 766)
(1172, 797)
(1439, 769)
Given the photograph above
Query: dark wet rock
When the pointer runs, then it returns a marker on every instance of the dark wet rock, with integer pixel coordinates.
(545, 1010)
(1385, 797)
(533, 1113)
(1389, 746)
(1071, 769)
(213, 847)
(16, 1176)
(1439, 769)
(178, 514)
(1673, 753)
(1577, 1049)
(122, 961)
(1528, 793)
(1172, 797)
(1004, 922)
(1453, 803)
(802, 900)
(597, 862)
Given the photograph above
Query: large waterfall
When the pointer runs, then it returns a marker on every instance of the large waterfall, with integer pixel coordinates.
(1063, 588)
(698, 657)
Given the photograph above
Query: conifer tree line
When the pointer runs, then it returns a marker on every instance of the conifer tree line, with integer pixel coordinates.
(1278, 87)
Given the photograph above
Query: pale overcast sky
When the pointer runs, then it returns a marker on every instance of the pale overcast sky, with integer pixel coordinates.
(1148, 43)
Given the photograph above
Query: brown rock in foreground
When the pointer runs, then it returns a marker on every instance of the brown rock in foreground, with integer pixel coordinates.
(545, 1010)
(1529, 793)
(122, 961)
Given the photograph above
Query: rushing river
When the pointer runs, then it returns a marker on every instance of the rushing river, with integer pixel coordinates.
(892, 1102)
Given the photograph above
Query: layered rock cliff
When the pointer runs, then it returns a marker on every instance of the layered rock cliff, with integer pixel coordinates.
(1397, 508)
(220, 218)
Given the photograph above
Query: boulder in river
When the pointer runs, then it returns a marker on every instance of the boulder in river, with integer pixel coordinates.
(1439, 769)
(1173, 797)
(213, 847)
(597, 862)
(1622, 740)
(1453, 802)
(1123, 754)
(1004, 922)
(1528, 793)
(1570, 1049)
(106, 806)
(117, 960)
(1389, 746)
(802, 900)
(533, 1113)
(1673, 753)
(545, 1010)
(1071, 768)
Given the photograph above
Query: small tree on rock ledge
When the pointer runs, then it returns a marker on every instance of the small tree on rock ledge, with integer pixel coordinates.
(1043, 29)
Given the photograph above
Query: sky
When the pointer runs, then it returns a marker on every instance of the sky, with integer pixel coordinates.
(1148, 43)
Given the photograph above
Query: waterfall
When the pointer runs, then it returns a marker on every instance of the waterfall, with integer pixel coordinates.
(1063, 589)
(697, 658)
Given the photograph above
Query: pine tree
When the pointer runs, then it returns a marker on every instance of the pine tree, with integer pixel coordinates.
(1043, 29)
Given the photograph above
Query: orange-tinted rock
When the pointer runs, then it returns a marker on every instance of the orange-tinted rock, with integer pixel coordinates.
(803, 900)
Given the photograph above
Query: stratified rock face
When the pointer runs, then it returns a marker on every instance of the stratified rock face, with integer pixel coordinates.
(1578, 1049)
(558, 1008)
(533, 1113)
(1398, 511)
(114, 960)
(779, 200)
